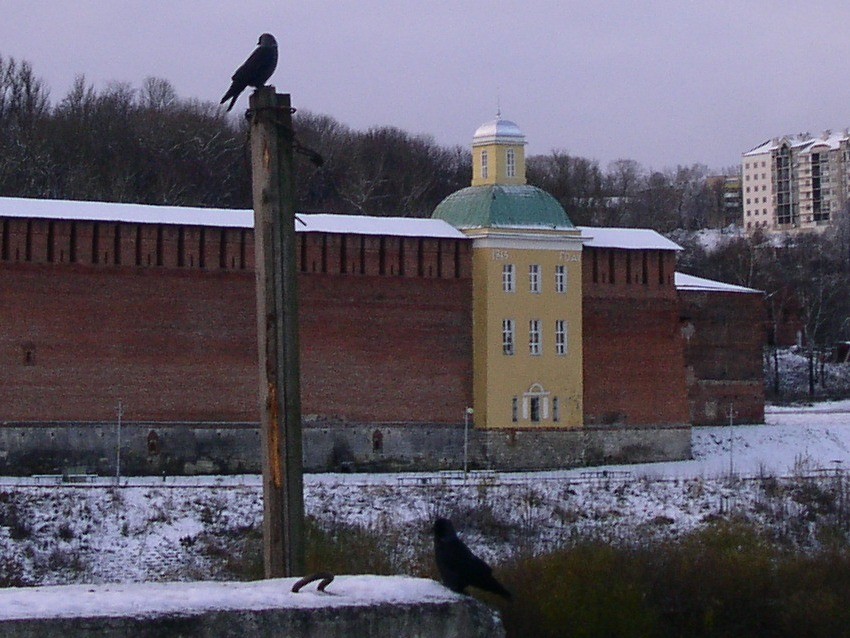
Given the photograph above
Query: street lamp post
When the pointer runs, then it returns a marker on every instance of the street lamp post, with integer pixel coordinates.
(120, 412)
(466, 415)
(731, 438)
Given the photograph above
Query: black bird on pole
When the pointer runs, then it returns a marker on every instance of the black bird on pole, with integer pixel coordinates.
(256, 70)
(459, 568)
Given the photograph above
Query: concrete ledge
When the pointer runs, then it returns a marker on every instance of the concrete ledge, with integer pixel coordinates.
(360, 606)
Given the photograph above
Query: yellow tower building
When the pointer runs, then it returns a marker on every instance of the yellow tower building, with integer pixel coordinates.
(527, 332)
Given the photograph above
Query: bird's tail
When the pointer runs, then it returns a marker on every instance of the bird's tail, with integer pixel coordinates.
(229, 95)
(497, 588)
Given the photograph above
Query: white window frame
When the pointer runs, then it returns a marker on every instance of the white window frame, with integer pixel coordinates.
(561, 278)
(508, 340)
(485, 168)
(560, 337)
(535, 337)
(510, 162)
(509, 278)
(534, 279)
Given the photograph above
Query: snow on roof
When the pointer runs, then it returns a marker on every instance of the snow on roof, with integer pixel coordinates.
(764, 147)
(221, 217)
(634, 238)
(831, 141)
(498, 130)
(138, 599)
(793, 141)
(803, 142)
(690, 282)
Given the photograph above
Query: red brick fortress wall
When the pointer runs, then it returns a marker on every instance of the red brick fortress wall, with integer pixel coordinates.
(386, 327)
(724, 338)
(162, 317)
(171, 345)
(634, 368)
(386, 349)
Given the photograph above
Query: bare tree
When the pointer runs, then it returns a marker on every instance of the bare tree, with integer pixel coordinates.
(575, 182)
(157, 94)
(24, 107)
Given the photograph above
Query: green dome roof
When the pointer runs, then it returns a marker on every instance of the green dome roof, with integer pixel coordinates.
(502, 206)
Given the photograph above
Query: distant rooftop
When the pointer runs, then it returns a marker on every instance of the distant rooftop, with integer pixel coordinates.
(802, 142)
(221, 217)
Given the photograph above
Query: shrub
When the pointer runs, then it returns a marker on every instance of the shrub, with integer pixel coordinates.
(16, 520)
(591, 590)
(346, 549)
(725, 580)
(12, 571)
(65, 532)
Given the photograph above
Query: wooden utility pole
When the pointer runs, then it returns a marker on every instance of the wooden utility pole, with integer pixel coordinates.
(277, 323)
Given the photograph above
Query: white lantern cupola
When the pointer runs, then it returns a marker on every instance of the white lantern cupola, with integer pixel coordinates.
(498, 154)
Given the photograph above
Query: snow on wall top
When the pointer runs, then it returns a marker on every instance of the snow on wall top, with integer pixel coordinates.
(690, 282)
(628, 238)
(633, 238)
(132, 213)
(221, 217)
(367, 225)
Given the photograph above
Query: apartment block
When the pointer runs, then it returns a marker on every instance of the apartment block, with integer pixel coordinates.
(796, 182)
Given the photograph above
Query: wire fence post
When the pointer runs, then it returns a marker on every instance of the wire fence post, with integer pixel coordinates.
(120, 413)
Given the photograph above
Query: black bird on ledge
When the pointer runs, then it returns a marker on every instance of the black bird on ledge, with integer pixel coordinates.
(459, 568)
(256, 70)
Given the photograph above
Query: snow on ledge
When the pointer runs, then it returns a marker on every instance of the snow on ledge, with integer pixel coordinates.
(700, 284)
(158, 599)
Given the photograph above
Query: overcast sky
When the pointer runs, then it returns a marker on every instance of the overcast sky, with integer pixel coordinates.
(662, 82)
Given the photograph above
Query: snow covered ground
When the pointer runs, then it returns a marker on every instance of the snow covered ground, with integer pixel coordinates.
(794, 439)
(794, 375)
(195, 528)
